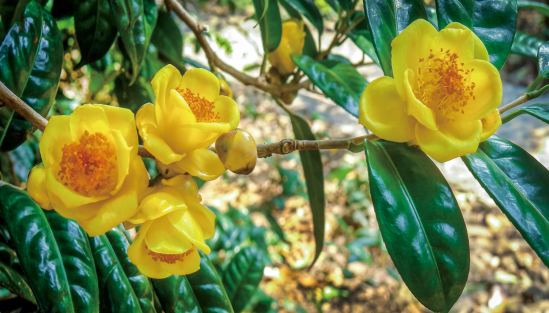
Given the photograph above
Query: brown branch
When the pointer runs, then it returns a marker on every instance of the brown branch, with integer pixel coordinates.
(10, 99)
(3, 183)
(198, 31)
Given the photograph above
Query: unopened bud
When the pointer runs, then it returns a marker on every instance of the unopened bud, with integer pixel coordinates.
(237, 151)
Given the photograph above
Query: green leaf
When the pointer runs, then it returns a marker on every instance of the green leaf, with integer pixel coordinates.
(381, 18)
(420, 222)
(543, 60)
(134, 96)
(17, 56)
(342, 83)
(538, 6)
(243, 275)
(526, 45)
(10, 276)
(275, 227)
(176, 295)
(309, 10)
(362, 41)
(37, 250)
(7, 10)
(168, 39)
(63, 9)
(461, 11)
(518, 183)
(139, 282)
(208, 288)
(495, 24)
(77, 258)
(432, 16)
(271, 25)
(136, 20)
(95, 27)
(408, 11)
(115, 291)
(314, 178)
(540, 111)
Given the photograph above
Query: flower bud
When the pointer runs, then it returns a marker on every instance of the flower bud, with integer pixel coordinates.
(237, 151)
(292, 41)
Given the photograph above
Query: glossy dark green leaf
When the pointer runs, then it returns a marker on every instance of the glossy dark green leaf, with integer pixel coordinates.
(342, 83)
(134, 96)
(17, 56)
(495, 24)
(208, 288)
(176, 295)
(432, 16)
(275, 227)
(543, 60)
(420, 222)
(7, 10)
(363, 42)
(63, 8)
(115, 291)
(518, 184)
(136, 20)
(11, 277)
(314, 178)
(271, 25)
(538, 6)
(526, 45)
(78, 262)
(540, 111)
(243, 275)
(37, 250)
(168, 39)
(139, 282)
(461, 11)
(95, 28)
(41, 87)
(381, 19)
(408, 11)
(309, 10)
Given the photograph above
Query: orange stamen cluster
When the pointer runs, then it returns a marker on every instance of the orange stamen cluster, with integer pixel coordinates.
(89, 165)
(169, 258)
(444, 84)
(202, 109)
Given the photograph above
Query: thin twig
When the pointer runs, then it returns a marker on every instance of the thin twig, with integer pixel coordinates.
(3, 183)
(10, 99)
(198, 30)
(520, 100)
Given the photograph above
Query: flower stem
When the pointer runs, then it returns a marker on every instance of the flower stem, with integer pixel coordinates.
(534, 85)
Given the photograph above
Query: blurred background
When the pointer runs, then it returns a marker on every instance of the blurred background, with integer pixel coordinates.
(269, 207)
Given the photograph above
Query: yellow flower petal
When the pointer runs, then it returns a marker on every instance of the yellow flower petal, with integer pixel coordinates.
(202, 215)
(184, 222)
(452, 140)
(197, 136)
(202, 83)
(189, 265)
(36, 186)
(56, 135)
(145, 115)
(155, 144)
(487, 92)
(177, 112)
(292, 41)
(152, 269)
(382, 111)
(458, 41)
(202, 163)
(164, 238)
(416, 108)
(228, 111)
(88, 118)
(164, 81)
(123, 120)
(490, 124)
(158, 204)
(69, 198)
(137, 253)
(121, 206)
(480, 50)
(408, 47)
(123, 157)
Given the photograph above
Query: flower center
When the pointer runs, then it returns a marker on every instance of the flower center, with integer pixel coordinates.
(444, 84)
(169, 258)
(89, 165)
(202, 109)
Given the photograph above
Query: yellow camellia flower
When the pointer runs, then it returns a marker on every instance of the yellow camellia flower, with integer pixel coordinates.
(444, 95)
(293, 40)
(91, 171)
(187, 117)
(175, 225)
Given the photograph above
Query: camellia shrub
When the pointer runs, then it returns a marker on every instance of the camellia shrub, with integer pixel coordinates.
(102, 170)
